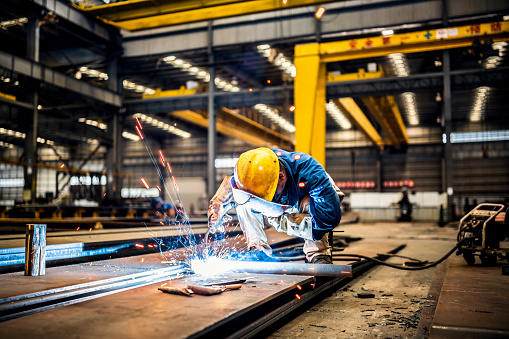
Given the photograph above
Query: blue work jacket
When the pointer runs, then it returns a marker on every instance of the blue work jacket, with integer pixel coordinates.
(307, 177)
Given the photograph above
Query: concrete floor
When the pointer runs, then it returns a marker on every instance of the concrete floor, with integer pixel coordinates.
(399, 295)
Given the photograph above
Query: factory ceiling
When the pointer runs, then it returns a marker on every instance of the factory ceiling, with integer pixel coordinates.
(253, 56)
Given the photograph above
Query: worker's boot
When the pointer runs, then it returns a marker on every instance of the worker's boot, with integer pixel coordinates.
(318, 252)
(322, 259)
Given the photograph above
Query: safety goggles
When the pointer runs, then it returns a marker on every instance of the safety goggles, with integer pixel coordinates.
(248, 200)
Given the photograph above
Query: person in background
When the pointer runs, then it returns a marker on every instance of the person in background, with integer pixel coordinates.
(293, 179)
(163, 208)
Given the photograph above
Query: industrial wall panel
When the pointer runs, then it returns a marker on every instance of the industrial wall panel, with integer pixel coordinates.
(166, 44)
(378, 17)
(467, 7)
(298, 23)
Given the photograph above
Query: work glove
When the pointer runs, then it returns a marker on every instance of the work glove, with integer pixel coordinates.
(220, 203)
(298, 224)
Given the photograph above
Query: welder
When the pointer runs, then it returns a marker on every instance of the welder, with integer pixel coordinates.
(267, 180)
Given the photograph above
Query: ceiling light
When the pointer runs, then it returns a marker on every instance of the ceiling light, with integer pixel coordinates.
(319, 12)
(387, 32)
(411, 109)
(164, 126)
(479, 103)
(200, 73)
(280, 60)
(274, 116)
(337, 115)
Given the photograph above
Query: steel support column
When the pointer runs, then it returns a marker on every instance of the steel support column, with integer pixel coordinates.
(309, 97)
(30, 172)
(446, 118)
(211, 133)
(115, 127)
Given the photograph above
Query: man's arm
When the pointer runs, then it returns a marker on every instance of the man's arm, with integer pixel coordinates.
(218, 202)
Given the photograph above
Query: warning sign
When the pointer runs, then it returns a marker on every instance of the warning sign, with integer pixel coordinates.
(442, 34)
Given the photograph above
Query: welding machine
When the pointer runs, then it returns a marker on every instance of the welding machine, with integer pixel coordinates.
(480, 232)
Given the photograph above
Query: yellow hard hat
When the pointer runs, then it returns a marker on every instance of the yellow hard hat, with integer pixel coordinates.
(257, 172)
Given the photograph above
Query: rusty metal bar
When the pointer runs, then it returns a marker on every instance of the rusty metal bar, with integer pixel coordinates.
(35, 249)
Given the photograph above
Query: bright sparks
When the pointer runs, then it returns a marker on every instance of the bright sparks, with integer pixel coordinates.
(209, 267)
(144, 182)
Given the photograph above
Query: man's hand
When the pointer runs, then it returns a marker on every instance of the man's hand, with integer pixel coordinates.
(304, 204)
(215, 209)
(297, 218)
(218, 203)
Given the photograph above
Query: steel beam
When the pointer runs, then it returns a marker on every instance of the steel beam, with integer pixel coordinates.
(298, 24)
(45, 74)
(350, 109)
(237, 126)
(387, 114)
(447, 129)
(31, 117)
(212, 116)
(310, 118)
(139, 15)
(430, 82)
(412, 42)
(263, 267)
(81, 20)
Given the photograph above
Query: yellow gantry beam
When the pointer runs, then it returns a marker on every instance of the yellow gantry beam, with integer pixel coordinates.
(306, 87)
(351, 110)
(413, 42)
(387, 114)
(237, 126)
(144, 14)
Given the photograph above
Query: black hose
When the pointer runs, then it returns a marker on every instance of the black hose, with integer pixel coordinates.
(413, 268)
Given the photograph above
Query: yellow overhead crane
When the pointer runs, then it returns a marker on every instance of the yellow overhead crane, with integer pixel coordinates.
(137, 15)
(310, 61)
(238, 126)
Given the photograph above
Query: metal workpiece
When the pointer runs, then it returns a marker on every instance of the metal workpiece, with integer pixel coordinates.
(35, 250)
(31, 303)
(262, 267)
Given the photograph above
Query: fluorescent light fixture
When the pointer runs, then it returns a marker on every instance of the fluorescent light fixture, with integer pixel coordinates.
(6, 145)
(274, 116)
(506, 17)
(481, 95)
(199, 73)
(411, 110)
(387, 32)
(13, 22)
(337, 115)
(130, 136)
(93, 123)
(319, 12)
(464, 137)
(399, 64)
(21, 135)
(163, 125)
(280, 60)
(225, 162)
